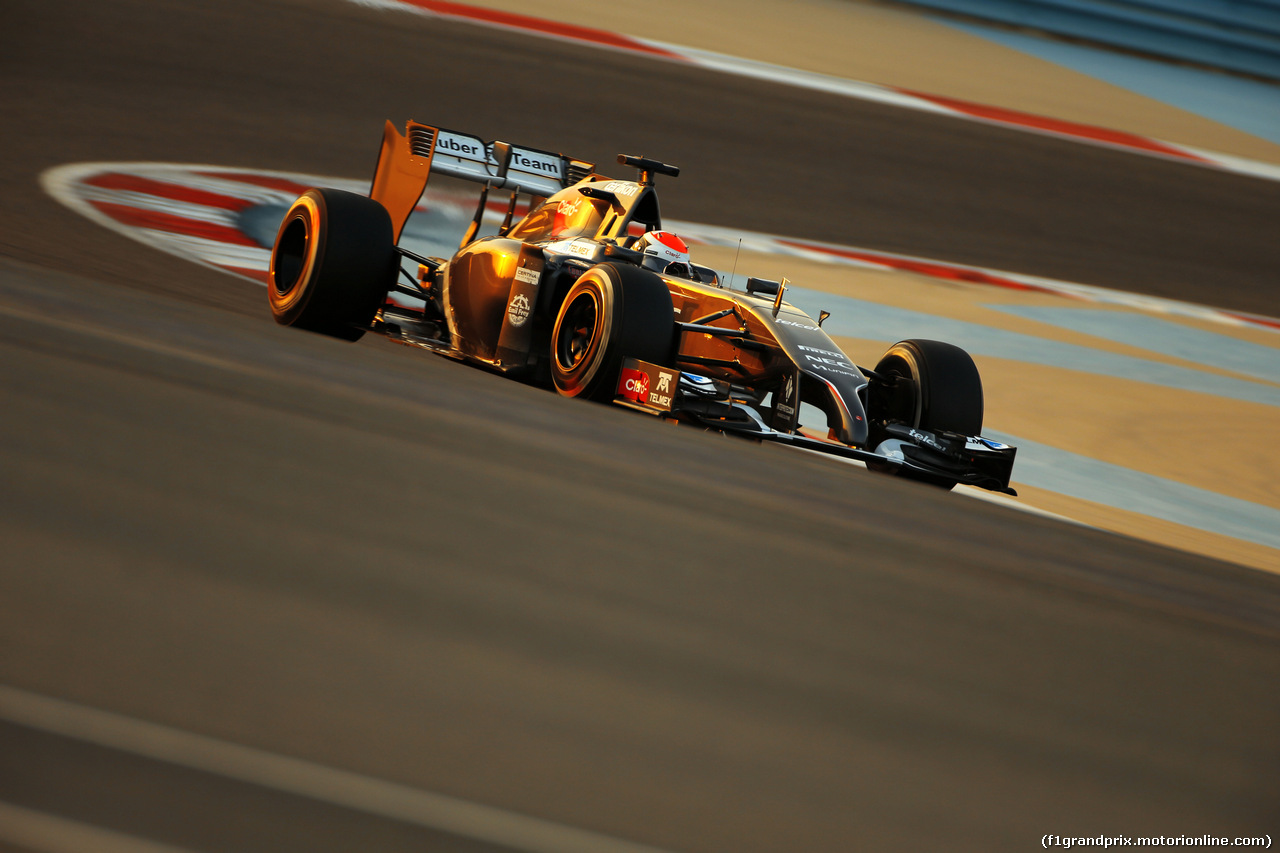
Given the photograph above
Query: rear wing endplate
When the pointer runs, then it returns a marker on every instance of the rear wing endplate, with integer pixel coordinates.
(406, 162)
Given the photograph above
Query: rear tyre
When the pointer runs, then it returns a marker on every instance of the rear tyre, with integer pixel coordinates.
(333, 262)
(612, 312)
(931, 385)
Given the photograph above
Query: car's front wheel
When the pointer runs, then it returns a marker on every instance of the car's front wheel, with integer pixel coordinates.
(612, 312)
(930, 385)
(333, 262)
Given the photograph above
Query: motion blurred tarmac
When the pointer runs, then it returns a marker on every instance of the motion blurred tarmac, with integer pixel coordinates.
(1196, 410)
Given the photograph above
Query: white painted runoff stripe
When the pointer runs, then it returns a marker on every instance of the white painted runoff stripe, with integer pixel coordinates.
(303, 778)
(237, 239)
(920, 101)
(51, 834)
(1015, 504)
(834, 253)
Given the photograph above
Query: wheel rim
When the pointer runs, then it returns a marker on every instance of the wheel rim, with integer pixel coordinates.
(578, 328)
(290, 255)
(908, 414)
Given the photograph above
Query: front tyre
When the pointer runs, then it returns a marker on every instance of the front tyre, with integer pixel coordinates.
(929, 385)
(333, 262)
(612, 312)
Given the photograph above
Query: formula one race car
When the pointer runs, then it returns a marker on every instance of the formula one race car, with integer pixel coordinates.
(587, 294)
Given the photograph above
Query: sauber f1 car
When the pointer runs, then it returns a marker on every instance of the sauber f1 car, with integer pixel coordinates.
(573, 295)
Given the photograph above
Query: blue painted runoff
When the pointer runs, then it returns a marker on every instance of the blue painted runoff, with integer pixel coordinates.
(856, 318)
(1247, 105)
(1081, 477)
(1162, 336)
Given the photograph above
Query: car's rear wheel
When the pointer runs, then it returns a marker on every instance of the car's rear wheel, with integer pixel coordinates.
(333, 262)
(930, 385)
(612, 312)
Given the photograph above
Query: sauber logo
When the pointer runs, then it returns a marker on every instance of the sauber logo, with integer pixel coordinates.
(459, 146)
(531, 164)
(634, 385)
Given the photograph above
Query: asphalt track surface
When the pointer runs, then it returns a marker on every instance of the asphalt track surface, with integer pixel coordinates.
(390, 564)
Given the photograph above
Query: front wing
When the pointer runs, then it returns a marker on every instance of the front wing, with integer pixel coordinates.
(969, 460)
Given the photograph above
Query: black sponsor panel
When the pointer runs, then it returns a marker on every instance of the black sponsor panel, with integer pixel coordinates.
(517, 323)
(786, 404)
(647, 386)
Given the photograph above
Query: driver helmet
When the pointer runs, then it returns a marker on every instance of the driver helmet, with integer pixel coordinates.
(664, 252)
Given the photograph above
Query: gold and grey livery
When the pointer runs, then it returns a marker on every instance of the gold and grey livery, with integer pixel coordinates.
(560, 297)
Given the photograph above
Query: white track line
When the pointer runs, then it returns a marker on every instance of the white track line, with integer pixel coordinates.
(1013, 503)
(303, 778)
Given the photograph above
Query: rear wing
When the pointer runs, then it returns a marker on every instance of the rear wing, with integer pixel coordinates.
(406, 162)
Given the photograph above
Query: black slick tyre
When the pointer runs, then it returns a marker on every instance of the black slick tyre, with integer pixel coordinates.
(612, 312)
(933, 386)
(333, 262)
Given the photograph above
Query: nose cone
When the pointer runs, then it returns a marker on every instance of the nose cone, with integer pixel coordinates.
(852, 414)
(856, 425)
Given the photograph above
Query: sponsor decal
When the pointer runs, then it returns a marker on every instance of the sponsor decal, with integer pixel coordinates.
(648, 385)
(659, 397)
(621, 188)
(788, 394)
(634, 385)
(528, 275)
(536, 162)
(832, 365)
(929, 440)
(584, 249)
(518, 310)
(844, 359)
(828, 370)
(797, 325)
(460, 146)
(828, 361)
(569, 208)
